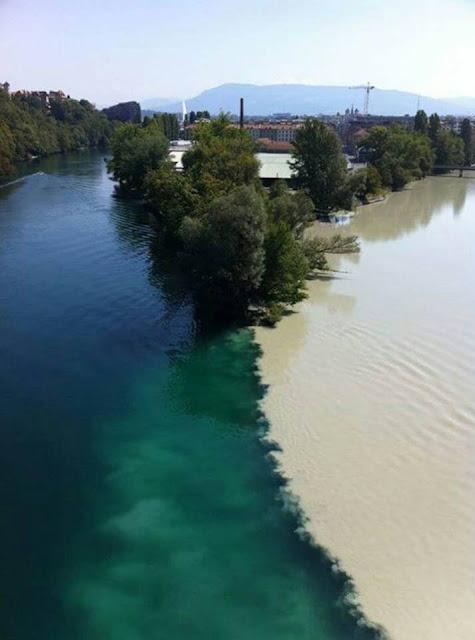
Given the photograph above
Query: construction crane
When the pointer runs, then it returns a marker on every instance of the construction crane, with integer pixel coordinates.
(368, 88)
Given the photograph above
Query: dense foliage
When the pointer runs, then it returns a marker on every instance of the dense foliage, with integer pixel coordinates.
(421, 122)
(226, 247)
(466, 135)
(434, 127)
(168, 122)
(124, 112)
(170, 195)
(320, 169)
(319, 164)
(30, 128)
(222, 159)
(399, 155)
(413, 160)
(241, 246)
(197, 115)
(449, 149)
(448, 146)
(136, 150)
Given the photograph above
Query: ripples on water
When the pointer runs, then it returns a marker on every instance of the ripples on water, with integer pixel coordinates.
(372, 400)
(137, 498)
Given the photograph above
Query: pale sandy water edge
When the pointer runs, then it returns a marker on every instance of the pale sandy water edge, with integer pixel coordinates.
(371, 400)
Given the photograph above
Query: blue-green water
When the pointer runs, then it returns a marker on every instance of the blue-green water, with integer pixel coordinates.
(138, 500)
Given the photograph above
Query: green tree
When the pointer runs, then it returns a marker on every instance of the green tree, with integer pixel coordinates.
(315, 249)
(353, 187)
(222, 159)
(374, 184)
(167, 123)
(421, 121)
(278, 188)
(226, 249)
(296, 210)
(434, 128)
(450, 149)
(7, 153)
(365, 182)
(125, 112)
(319, 164)
(30, 127)
(466, 135)
(398, 155)
(136, 150)
(286, 268)
(169, 195)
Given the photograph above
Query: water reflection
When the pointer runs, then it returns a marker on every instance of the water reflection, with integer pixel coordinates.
(415, 208)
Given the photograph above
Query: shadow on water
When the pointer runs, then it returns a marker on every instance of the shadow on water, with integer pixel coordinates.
(140, 496)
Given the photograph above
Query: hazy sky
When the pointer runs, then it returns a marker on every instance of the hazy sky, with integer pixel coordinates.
(111, 50)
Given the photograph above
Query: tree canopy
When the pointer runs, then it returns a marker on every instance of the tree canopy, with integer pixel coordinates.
(240, 246)
(170, 195)
(124, 112)
(286, 267)
(466, 135)
(222, 159)
(434, 128)
(296, 210)
(319, 164)
(28, 127)
(227, 248)
(168, 124)
(136, 150)
(421, 122)
(398, 155)
(449, 149)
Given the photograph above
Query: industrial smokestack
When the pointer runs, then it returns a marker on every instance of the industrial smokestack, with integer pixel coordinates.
(241, 114)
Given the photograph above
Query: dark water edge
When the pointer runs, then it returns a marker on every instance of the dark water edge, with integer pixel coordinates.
(140, 497)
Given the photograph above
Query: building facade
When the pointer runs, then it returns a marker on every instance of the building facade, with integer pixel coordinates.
(276, 132)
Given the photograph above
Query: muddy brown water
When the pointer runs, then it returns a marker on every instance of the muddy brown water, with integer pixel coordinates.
(372, 399)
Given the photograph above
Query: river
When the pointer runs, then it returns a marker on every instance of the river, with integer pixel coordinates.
(138, 498)
(372, 401)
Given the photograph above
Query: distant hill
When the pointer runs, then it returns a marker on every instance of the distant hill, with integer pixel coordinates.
(158, 104)
(304, 99)
(465, 102)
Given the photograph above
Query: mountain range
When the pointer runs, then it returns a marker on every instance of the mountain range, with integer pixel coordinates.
(301, 99)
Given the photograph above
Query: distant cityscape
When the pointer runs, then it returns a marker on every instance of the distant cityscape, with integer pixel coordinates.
(275, 133)
(272, 133)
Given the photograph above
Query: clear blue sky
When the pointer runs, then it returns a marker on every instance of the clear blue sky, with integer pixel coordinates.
(111, 50)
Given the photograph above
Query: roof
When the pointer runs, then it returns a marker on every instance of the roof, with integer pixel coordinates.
(276, 146)
(262, 126)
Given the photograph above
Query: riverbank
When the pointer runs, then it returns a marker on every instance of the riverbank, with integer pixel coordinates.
(370, 401)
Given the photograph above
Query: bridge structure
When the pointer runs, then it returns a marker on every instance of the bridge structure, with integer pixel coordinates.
(454, 167)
